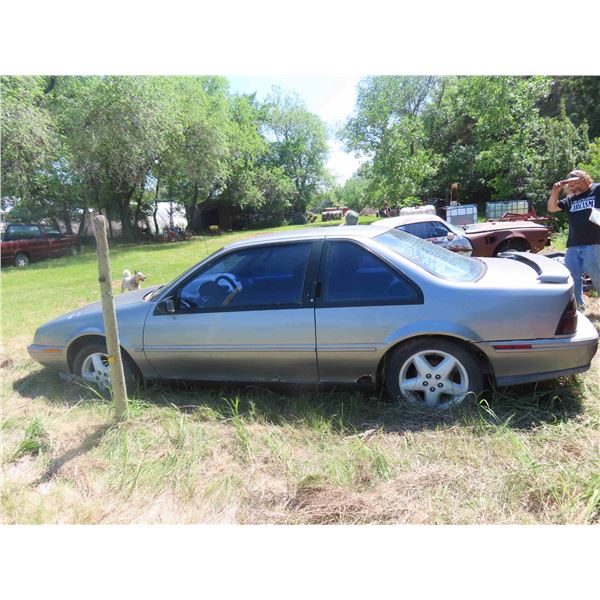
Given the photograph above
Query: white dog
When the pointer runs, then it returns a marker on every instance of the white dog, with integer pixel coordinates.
(130, 282)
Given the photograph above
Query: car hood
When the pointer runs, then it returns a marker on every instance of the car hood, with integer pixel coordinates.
(501, 225)
(121, 301)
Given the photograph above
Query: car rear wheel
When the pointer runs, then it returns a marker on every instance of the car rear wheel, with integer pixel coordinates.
(92, 365)
(21, 260)
(433, 373)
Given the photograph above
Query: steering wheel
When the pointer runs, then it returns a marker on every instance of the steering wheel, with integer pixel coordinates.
(229, 280)
(233, 283)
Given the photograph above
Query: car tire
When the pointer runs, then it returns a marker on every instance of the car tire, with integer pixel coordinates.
(518, 245)
(91, 365)
(75, 251)
(21, 260)
(433, 373)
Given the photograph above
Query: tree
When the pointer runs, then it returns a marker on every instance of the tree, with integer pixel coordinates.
(592, 166)
(388, 129)
(562, 147)
(29, 138)
(116, 129)
(197, 165)
(298, 144)
(578, 96)
(354, 193)
(262, 190)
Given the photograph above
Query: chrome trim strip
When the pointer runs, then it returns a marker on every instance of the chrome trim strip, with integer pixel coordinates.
(228, 348)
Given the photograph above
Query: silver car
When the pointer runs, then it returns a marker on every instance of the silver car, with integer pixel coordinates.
(431, 228)
(340, 305)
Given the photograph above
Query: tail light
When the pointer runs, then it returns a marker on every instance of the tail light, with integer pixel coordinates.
(568, 320)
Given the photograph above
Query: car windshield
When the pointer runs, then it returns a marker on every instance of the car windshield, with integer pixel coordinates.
(435, 259)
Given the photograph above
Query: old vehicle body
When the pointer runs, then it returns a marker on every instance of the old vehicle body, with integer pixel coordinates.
(23, 243)
(341, 305)
(493, 237)
(485, 239)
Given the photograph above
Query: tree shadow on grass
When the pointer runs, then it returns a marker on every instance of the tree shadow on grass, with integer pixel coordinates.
(91, 441)
(346, 410)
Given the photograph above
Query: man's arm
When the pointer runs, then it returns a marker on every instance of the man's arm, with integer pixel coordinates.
(553, 200)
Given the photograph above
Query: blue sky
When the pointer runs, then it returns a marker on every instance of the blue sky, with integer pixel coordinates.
(331, 98)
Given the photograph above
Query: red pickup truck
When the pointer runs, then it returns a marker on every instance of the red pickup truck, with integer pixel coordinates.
(23, 243)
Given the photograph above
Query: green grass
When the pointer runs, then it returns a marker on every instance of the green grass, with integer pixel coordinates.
(252, 454)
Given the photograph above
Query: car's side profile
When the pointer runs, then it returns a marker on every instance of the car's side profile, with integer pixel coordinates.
(23, 243)
(340, 305)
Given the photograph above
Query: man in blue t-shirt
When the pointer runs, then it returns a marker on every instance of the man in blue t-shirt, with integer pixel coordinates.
(583, 243)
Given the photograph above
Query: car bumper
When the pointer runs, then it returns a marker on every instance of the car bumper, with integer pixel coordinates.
(524, 361)
(49, 356)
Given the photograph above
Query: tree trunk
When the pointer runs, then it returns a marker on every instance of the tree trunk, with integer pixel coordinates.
(124, 210)
(82, 220)
(191, 211)
(138, 211)
(156, 199)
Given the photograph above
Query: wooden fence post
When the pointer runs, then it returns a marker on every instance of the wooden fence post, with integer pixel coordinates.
(117, 376)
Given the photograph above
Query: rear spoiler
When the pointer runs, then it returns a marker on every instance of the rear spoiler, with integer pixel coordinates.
(548, 270)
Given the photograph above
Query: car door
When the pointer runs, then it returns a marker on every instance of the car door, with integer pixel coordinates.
(245, 316)
(35, 245)
(56, 242)
(361, 302)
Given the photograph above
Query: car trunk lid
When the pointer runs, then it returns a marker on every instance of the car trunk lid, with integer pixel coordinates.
(548, 270)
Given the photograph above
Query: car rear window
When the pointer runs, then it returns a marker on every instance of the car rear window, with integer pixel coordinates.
(435, 259)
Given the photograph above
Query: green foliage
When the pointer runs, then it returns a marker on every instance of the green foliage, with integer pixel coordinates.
(35, 440)
(498, 137)
(29, 135)
(117, 143)
(197, 163)
(298, 144)
(593, 164)
(388, 126)
(353, 194)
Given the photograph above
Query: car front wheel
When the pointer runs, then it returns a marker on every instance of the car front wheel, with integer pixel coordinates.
(92, 365)
(21, 260)
(433, 373)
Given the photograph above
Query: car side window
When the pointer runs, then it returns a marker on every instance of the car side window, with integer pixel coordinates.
(438, 229)
(353, 275)
(425, 229)
(22, 232)
(264, 277)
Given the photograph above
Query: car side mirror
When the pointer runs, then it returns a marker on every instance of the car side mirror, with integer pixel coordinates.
(165, 307)
(450, 236)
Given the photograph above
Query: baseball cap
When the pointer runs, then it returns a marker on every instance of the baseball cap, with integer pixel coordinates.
(574, 175)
